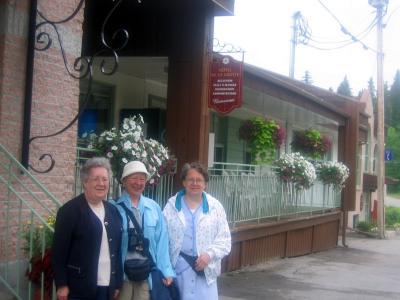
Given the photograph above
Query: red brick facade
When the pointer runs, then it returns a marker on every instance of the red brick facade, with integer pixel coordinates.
(55, 94)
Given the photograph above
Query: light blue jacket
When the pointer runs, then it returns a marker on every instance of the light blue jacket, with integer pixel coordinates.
(154, 229)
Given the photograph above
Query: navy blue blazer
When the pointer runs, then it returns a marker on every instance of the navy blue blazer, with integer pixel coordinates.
(76, 247)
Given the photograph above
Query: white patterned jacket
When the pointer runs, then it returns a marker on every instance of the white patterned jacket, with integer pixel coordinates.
(212, 232)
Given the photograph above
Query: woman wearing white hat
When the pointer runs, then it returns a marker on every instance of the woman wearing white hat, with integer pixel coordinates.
(148, 216)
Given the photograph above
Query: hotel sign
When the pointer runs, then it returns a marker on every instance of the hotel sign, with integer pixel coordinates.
(225, 92)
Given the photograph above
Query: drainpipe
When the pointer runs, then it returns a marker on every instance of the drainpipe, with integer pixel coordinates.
(344, 227)
(26, 131)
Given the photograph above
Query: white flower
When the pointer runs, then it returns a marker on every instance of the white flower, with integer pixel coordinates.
(296, 169)
(332, 173)
(127, 145)
(130, 139)
(157, 160)
(136, 136)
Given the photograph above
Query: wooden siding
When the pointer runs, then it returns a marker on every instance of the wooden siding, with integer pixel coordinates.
(299, 242)
(255, 244)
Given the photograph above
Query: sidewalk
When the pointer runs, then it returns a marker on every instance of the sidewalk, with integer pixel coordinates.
(368, 269)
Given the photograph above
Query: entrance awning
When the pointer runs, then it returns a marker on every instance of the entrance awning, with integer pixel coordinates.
(226, 6)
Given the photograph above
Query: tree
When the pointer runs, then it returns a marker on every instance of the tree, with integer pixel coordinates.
(392, 167)
(307, 78)
(393, 99)
(344, 88)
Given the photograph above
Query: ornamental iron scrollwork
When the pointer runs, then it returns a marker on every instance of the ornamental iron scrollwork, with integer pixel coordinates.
(82, 66)
(221, 47)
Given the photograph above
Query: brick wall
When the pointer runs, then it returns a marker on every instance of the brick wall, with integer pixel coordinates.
(54, 104)
(55, 93)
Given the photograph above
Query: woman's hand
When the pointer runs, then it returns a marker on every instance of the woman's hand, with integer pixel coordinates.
(167, 281)
(62, 292)
(116, 294)
(202, 261)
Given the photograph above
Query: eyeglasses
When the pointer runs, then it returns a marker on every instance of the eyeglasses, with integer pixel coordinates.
(99, 179)
(195, 180)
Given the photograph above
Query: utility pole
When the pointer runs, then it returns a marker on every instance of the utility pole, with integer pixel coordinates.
(293, 43)
(379, 5)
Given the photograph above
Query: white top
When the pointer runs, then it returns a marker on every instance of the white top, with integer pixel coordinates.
(104, 266)
(212, 234)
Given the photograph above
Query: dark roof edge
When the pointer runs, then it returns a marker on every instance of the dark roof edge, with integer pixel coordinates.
(286, 82)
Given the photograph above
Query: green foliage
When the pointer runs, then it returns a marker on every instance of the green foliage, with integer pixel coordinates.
(392, 102)
(332, 173)
(392, 215)
(366, 226)
(311, 143)
(38, 236)
(392, 167)
(264, 137)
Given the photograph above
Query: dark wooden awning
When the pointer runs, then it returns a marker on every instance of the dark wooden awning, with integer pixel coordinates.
(227, 6)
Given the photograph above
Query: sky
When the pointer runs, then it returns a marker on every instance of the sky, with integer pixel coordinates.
(263, 29)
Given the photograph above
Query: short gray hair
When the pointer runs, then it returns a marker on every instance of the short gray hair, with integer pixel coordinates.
(95, 162)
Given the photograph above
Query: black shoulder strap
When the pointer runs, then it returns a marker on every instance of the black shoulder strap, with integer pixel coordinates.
(132, 217)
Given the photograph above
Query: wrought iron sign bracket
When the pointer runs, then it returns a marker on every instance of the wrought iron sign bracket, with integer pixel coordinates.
(40, 40)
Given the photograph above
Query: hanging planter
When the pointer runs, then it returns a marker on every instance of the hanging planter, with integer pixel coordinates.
(332, 173)
(263, 136)
(129, 144)
(311, 143)
(294, 168)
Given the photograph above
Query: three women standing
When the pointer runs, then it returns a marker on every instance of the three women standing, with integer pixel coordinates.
(199, 235)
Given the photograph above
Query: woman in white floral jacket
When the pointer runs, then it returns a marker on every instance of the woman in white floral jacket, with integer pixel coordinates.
(199, 235)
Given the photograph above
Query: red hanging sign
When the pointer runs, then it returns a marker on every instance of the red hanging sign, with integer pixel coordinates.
(225, 92)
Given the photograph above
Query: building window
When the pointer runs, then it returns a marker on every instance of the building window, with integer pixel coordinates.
(98, 114)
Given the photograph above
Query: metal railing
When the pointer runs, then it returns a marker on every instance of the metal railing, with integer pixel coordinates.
(25, 232)
(253, 194)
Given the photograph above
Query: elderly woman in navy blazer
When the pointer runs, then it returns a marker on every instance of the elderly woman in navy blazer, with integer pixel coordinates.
(86, 253)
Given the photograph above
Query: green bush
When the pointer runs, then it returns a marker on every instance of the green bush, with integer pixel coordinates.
(392, 215)
(366, 226)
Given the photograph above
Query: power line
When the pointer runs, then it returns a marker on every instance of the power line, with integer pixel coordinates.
(344, 29)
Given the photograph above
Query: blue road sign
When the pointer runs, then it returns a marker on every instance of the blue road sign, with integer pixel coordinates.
(388, 154)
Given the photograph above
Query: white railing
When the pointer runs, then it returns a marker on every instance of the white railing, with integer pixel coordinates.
(249, 193)
(252, 193)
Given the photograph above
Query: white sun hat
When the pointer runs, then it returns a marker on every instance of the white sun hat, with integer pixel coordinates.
(135, 167)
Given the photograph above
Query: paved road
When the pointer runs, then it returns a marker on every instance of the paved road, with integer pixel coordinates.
(369, 269)
(392, 202)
